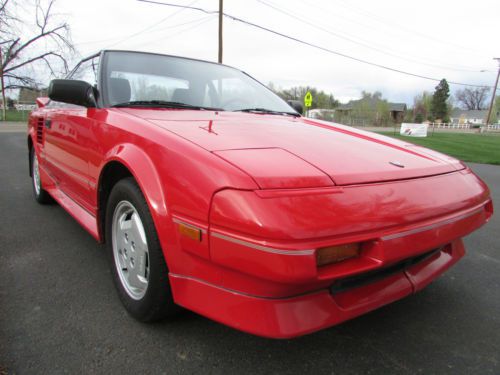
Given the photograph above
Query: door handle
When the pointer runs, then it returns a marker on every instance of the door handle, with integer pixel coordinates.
(48, 123)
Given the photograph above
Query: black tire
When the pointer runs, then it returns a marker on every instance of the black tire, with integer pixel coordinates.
(40, 195)
(157, 302)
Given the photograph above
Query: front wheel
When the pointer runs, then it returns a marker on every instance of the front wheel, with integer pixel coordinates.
(139, 270)
(40, 195)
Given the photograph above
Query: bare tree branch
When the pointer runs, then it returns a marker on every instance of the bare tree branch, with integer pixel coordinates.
(18, 86)
(472, 98)
(33, 59)
(25, 80)
(25, 45)
(17, 53)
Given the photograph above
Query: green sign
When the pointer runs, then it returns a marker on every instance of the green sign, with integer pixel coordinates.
(308, 99)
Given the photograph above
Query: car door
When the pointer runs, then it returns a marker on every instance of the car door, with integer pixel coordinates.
(69, 140)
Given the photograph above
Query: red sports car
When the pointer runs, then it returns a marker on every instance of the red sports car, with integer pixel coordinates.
(212, 193)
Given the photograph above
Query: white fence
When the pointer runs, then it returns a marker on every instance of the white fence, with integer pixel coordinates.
(480, 128)
(25, 106)
(440, 125)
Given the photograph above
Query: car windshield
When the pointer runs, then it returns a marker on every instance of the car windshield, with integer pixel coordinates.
(142, 79)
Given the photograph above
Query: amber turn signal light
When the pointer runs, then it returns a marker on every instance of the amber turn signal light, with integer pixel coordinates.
(190, 232)
(338, 253)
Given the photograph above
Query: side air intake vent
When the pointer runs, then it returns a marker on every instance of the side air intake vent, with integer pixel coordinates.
(39, 130)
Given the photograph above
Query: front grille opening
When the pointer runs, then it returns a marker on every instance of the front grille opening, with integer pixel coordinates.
(369, 277)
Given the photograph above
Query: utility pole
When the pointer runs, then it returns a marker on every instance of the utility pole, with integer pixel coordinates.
(221, 15)
(2, 82)
(493, 97)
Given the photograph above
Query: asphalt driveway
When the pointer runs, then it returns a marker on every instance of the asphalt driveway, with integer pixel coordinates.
(59, 312)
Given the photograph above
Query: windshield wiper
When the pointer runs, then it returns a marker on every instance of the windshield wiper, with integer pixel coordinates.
(164, 104)
(268, 111)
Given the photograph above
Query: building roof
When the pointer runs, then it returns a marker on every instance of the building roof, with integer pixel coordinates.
(29, 95)
(393, 107)
(397, 107)
(469, 113)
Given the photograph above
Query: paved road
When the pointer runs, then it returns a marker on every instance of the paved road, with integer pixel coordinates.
(59, 312)
(12, 127)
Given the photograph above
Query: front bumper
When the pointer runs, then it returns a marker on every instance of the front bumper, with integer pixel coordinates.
(306, 313)
(256, 265)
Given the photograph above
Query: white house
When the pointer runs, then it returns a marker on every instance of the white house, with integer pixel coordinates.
(472, 116)
(321, 113)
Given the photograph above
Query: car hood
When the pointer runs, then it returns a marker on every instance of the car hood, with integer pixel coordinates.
(282, 151)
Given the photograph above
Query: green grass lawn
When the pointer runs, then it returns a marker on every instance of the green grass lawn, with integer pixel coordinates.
(14, 115)
(476, 148)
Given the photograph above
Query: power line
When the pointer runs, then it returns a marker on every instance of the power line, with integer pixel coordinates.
(154, 31)
(195, 21)
(324, 49)
(151, 26)
(363, 44)
(384, 21)
(181, 6)
(194, 24)
(142, 31)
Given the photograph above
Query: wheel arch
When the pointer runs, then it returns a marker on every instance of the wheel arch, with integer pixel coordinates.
(130, 161)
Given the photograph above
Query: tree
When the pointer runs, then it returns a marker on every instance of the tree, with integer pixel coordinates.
(371, 109)
(473, 98)
(383, 113)
(377, 95)
(422, 105)
(31, 44)
(320, 98)
(439, 107)
(419, 118)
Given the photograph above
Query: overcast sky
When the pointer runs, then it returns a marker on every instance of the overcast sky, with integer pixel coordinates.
(442, 39)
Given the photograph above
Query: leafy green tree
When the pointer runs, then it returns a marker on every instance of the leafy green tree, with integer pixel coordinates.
(383, 113)
(419, 118)
(439, 105)
(320, 98)
(409, 115)
(362, 111)
(377, 95)
(422, 107)
(371, 109)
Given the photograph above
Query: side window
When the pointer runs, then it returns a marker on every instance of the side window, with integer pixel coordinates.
(87, 71)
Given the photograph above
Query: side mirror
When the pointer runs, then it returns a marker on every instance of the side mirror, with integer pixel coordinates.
(42, 101)
(72, 92)
(297, 105)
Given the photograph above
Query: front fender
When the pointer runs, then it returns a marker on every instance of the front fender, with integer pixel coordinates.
(147, 176)
(142, 168)
(144, 171)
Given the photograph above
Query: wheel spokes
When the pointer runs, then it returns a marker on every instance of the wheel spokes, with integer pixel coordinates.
(36, 174)
(137, 231)
(136, 280)
(130, 249)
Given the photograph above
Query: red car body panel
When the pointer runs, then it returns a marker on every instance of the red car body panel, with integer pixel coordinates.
(332, 150)
(266, 192)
